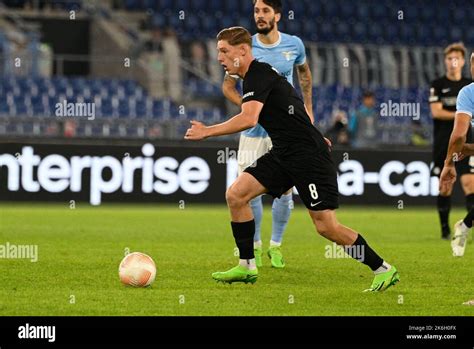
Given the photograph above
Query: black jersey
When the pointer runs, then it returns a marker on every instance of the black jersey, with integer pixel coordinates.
(444, 91)
(283, 115)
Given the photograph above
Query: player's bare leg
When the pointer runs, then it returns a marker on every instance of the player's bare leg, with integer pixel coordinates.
(355, 245)
(327, 226)
(238, 195)
(244, 189)
(463, 227)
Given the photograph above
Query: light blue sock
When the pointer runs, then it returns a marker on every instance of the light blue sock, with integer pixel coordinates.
(281, 210)
(257, 209)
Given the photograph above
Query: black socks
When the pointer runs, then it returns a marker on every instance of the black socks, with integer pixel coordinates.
(444, 206)
(243, 235)
(361, 251)
(469, 202)
(468, 219)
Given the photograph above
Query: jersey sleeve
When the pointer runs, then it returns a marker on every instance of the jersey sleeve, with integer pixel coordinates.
(434, 92)
(257, 85)
(465, 102)
(301, 58)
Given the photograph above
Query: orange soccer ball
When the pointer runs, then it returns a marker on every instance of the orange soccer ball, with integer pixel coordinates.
(137, 269)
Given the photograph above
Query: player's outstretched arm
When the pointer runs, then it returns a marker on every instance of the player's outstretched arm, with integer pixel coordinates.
(230, 91)
(247, 118)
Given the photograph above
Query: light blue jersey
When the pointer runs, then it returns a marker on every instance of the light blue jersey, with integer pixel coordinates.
(283, 55)
(465, 101)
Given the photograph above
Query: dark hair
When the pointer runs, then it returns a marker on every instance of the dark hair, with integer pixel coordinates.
(235, 36)
(368, 94)
(276, 5)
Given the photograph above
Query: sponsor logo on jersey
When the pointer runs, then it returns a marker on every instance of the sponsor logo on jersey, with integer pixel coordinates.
(248, 94)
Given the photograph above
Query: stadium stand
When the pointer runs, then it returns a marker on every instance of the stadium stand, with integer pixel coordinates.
(362, 21)
(328, 36)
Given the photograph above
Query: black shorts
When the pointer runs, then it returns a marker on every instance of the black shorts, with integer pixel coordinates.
(465, 166)
(314, 176)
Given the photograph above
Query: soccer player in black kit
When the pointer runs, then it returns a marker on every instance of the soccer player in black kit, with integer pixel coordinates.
(300, 157)
(443, 94)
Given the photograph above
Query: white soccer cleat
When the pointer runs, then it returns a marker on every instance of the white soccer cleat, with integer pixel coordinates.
(458, 243)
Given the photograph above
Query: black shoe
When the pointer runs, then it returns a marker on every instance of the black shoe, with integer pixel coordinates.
(446, 234)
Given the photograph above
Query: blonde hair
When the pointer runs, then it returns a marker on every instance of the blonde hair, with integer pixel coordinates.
(456, 47)
(235, 36)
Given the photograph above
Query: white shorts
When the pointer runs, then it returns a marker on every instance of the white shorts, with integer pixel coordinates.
(250, 149)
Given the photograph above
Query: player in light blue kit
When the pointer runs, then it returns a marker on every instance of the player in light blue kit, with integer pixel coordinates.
(283, 52)
(457, 150)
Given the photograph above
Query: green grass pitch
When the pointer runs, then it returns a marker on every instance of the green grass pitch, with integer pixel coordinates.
(80, 250)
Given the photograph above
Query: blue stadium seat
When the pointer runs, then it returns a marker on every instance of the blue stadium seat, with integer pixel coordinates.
(227, 21)
(309, 27)
(469, 36)
(439, 34)
(245, 22)
(347, 9)
(442, 15)
(362, 11)
(459, 15)
(391, 34)
(295, 27)
(20, 109)
(428, 13)
(326, 32)
(165, 4)
(4, 109)
(246, 7)
(232, 6)
(329, 9)
(159, 20)
(374, 32)
(343, 31)
(213, 6)
(192, 23)
(407, 33)
(455, 33)
(198, 5)
(381, 12)
(209, 24)
(423, 34)
(411, 13)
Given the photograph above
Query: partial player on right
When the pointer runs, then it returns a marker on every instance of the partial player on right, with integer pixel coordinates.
(459, 150)
(442, 100)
